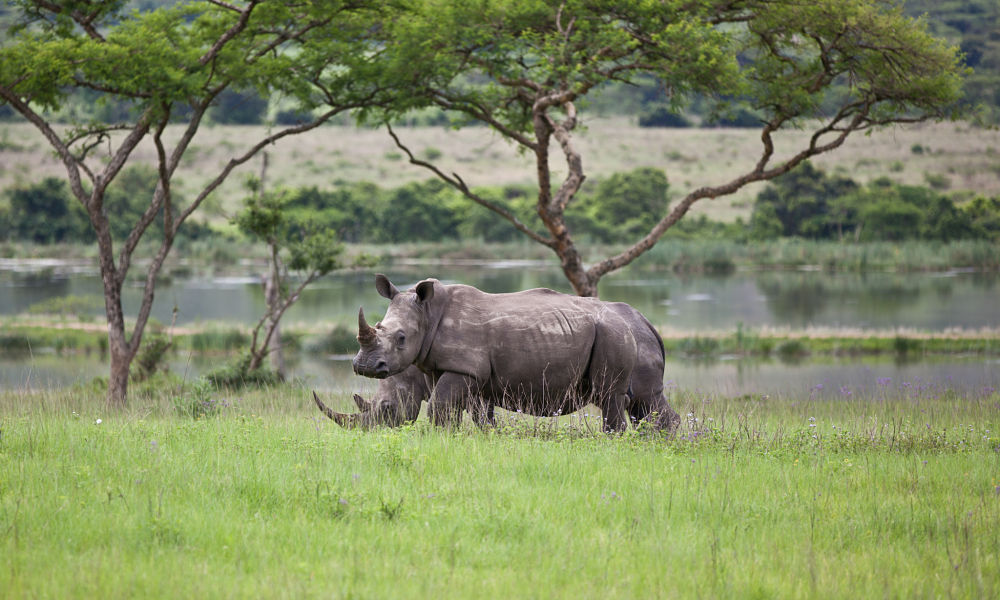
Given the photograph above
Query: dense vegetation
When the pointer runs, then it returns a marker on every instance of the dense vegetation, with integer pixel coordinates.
(973, 26)
(806, 203)
(46, 212)
(811, 204)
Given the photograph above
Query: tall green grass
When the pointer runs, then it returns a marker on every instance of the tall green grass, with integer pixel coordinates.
(895, 495)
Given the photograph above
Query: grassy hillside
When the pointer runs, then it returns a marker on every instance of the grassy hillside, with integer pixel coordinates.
(973, 26)
(967, 158)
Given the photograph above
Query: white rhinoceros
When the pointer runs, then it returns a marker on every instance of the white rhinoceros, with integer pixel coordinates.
(538, 352)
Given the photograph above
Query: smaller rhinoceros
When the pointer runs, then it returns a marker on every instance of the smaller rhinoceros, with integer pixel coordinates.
(396, 401)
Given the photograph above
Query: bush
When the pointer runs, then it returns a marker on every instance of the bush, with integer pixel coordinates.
(662, 116)
(197, 402)
(292, 117)
(699, 346)
(237, 375)
(890, 220)
(791, 350)
(806, 202)
(45, 213)
(150, 358)
(340, 340)
(737, 117)
(234, 107)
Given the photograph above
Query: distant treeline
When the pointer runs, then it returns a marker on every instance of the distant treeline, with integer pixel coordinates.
(805, 203)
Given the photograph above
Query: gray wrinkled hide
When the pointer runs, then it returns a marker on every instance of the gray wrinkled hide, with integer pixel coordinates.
(538, 352)
(396, 401)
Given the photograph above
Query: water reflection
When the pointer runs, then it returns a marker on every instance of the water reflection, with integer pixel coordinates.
(827, 379)
(781, 299)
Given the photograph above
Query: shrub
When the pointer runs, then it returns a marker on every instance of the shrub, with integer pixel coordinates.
(237, 375)
(699, 346)
(904, 345)
(339, 340)
(150, 358)
(197, 402)
(791, 350)
(662, 116)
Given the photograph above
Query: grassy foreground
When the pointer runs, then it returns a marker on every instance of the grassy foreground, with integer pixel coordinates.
(896, 495)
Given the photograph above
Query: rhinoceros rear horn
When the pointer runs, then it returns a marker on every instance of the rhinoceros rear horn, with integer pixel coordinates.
(344, 420)
(366, 334)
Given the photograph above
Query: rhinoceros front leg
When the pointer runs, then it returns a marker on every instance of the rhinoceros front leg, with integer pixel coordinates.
(452, 394)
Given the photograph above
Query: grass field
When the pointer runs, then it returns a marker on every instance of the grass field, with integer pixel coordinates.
(966, 157)
(896, 495)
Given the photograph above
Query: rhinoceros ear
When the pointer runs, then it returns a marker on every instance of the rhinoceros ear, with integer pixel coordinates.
(385, 287)
(425, 290)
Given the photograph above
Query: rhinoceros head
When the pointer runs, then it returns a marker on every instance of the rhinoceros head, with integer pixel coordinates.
(394, 343)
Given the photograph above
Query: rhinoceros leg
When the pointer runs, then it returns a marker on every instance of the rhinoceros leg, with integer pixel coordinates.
(612, 361)
(452, 394)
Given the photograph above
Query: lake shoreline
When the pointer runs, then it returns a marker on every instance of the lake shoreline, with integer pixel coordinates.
(26, 334)
(670, 254)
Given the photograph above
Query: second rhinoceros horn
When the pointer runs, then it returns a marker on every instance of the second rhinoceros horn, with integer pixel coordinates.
(366, 334)
(342, 419)
(363, 405)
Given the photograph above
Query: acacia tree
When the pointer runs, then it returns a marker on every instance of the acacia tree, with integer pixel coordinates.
(172, 64)
(299, 253)
(833, 67)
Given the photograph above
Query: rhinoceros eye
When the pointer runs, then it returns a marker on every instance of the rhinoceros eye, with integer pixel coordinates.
(400, 338)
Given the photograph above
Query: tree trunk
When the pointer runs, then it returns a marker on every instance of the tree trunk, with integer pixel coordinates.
(274, 342)
(121, 362)
(582, 282)
(120, 350)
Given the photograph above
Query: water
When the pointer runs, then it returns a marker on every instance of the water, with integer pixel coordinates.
(929, 301)
(828, 379)
(693, 304)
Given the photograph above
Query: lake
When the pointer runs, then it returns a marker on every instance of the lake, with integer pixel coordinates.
(794, 299)
(690, 304)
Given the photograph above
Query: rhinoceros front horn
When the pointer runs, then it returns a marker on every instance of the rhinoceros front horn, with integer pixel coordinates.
(366, 334)
(344, 420)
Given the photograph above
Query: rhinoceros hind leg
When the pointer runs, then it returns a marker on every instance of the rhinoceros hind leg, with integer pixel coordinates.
(614, 413)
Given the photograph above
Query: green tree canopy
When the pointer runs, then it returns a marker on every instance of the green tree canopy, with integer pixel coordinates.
(525, 68)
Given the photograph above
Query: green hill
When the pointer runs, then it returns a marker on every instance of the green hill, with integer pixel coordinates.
(974, 25)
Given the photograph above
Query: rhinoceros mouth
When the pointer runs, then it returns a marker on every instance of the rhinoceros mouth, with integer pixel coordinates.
(373, 373)
(379, 370)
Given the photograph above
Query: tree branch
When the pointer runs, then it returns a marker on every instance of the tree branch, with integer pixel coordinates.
(260, 145)
(72, 164)
(477, 111)
(858, 122)
(575, 177)
(85, 21)
(456, 182)
(232, 32)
